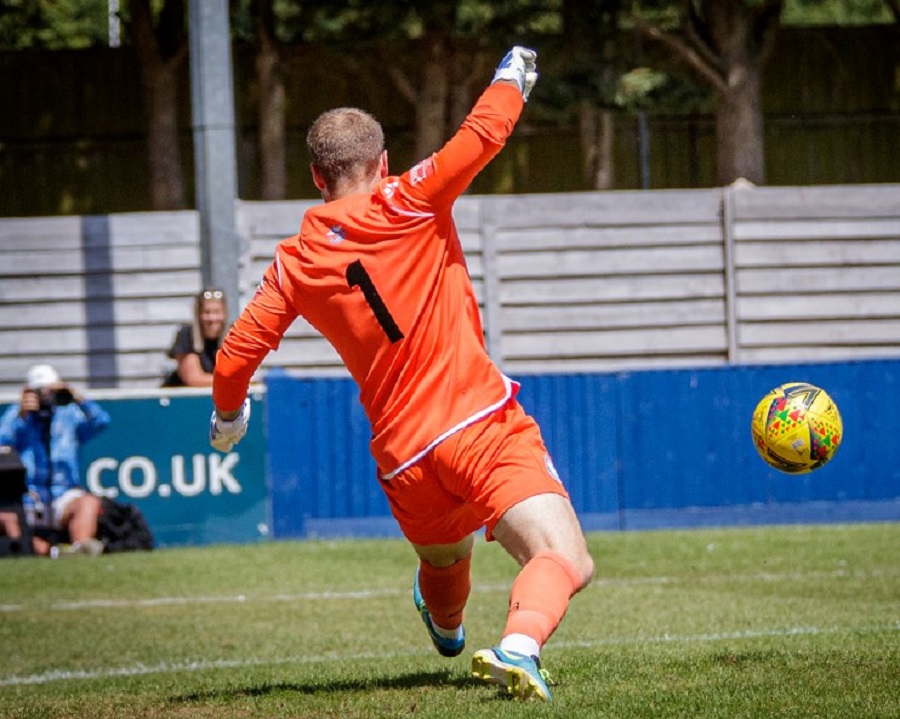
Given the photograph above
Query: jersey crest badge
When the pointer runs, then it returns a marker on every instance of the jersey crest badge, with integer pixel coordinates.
(336, 235)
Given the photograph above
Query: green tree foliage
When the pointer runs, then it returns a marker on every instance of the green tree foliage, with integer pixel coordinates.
(53, 24)
(838, 12)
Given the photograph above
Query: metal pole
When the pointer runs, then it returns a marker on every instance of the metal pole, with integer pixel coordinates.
(731, 318)
(115, 24)
(212, 104)
(644, 149)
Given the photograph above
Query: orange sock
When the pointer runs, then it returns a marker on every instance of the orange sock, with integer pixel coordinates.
(540, 596)
(446, 590)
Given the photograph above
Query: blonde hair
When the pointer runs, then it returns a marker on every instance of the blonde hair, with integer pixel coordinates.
(210, 294)
(345, 145)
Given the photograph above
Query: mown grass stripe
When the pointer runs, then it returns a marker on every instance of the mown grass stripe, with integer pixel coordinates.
(205, 664)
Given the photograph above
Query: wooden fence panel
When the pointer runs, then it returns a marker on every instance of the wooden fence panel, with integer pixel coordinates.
(817, 272)
(97, 297)
(600, 280)
(583, 282)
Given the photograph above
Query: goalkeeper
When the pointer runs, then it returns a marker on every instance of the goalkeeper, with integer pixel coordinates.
(378, 269)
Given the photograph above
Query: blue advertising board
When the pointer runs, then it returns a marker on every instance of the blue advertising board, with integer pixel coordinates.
(156, 455)
(637, 450)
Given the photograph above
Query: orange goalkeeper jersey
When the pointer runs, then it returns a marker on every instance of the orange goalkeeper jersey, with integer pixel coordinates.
(383, 277)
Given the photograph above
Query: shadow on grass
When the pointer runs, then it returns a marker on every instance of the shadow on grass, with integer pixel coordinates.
(403, 681)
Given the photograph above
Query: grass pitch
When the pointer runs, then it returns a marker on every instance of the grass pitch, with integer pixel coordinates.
(763, 622)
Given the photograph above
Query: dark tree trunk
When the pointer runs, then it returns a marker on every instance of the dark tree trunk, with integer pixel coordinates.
(433, 97)
(740, 144)
(272, 134)
(167, 185)
(161, 52)
(727, 42)
(589, 27)
(596, 128)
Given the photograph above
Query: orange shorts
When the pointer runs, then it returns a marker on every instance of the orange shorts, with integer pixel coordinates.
(472, 478)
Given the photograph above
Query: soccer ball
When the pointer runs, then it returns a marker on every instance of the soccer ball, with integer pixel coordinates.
(796, 428)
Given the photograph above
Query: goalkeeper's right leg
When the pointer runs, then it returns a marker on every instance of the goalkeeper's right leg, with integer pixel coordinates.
(441, 590)
(448, 642)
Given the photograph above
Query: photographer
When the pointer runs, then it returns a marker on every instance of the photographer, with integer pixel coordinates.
(47, 429)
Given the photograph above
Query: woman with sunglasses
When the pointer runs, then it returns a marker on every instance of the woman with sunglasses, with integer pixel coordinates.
(196, 344)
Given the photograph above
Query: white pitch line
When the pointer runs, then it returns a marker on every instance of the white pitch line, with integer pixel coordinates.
(58, 675)
(366, 594)
(177, 668)
(238, 599)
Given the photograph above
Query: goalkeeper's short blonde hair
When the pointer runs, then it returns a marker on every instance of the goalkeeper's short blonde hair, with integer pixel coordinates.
(345, 145)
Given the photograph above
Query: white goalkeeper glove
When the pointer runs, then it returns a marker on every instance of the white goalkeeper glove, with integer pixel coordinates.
(518, 66)
(224, 434)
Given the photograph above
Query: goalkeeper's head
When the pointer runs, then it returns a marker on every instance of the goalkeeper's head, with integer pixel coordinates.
(347, 150)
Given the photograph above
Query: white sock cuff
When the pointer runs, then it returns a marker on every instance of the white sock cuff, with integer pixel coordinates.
(521, 644)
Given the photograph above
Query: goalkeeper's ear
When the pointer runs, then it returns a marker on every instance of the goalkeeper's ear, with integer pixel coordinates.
(317, 178)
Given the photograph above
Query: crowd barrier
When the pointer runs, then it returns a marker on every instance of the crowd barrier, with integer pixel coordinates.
(637, 450)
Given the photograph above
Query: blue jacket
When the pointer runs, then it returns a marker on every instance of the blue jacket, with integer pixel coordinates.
(70, 425)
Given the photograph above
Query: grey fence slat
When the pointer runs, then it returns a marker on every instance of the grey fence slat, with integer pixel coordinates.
(155, 339)
(824, 306)
(638, 315)
(610, 289)
(28, 263)
(37, 341)
(467, 214)
(128, 312)
(275, 220)
(836, 201)
(179, 282)
(139, 259)
(143, 369)
(776, 280)
(641, 236)
(817, 230)
(858, 332)
(600, 263)
(799, 353)
(619, 363)
(27, 316)
(471, 242)
(38, 289)
(22, 233)
(262, 250)
(155, 229)
(603, 208)
(818, 253)
(612, 342)
(155, 310)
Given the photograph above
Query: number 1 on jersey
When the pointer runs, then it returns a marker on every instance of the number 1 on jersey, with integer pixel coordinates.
(358, 277)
